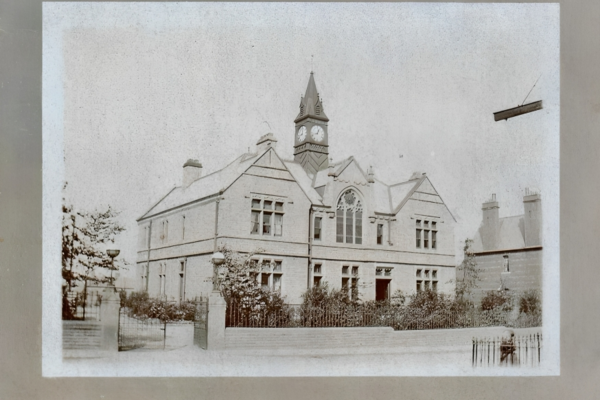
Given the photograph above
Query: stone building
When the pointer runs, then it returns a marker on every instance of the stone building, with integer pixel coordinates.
(316, 220)
(508, 250)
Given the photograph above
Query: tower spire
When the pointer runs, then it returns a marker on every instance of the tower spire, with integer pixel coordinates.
(311, 104)
(311, 148)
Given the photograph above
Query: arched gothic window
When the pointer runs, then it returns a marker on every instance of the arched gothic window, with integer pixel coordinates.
(349, 218)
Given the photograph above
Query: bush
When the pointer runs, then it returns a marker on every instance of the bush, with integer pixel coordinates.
(530, 302)
(140, 305)
(494, 299)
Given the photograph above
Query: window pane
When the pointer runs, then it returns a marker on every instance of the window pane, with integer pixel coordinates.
(349, 226)
(345, 270)
(345, 283)
(317, 281)
(418, 237)
(266, 223)
(277, 267)
(388, 272)
(426, 239)
(434, 225)
(434, 274)
(426, 273)
(433, 239)
(264, 281)
(419, 272)
(255, 203)
(268, 205)
(279, 206)
(317, 234)
(354, 270)
(379, 233)
(255, 226)
(339, 229)
(278, 224)
(434, 286)
(276, 282)
(426, 224)
(317, 269)
(418, 286)
(379, 271)
(426, 285)
(418, 222)
(358, 222)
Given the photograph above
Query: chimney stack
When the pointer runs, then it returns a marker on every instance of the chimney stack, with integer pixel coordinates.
(265, 142)
(532, 205)
(490, 226)
(192, 170)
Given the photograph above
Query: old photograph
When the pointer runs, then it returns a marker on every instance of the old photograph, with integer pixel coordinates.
(317, 189)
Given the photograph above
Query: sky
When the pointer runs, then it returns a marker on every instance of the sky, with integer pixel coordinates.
(132, 91)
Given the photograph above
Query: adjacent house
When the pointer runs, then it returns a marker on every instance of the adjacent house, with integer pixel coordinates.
(316, 221)
(508, 250)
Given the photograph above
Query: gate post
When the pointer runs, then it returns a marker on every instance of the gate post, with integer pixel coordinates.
(109, 317)
(216, 321)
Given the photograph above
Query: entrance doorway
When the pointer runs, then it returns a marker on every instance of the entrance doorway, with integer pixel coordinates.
(382, 289)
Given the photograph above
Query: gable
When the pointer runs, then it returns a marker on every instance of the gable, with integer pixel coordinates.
(352, 174)
(427, 187)
(425, 192)
(270, 160)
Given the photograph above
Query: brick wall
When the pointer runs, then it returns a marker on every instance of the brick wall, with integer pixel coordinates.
(525, 268)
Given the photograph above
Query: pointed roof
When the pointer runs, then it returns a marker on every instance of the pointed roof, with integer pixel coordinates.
(311, 105)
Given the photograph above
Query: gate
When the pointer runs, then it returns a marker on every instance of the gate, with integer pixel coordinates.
(135, 333)
(201, 322)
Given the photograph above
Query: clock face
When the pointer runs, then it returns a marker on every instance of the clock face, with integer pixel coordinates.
(317, 133)
(301, 133)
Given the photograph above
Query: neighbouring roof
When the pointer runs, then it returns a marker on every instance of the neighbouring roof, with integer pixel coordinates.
(510, 236)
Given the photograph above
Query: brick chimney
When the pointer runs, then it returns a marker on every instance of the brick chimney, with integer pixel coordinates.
(490, 224)
(532, 204)
(192, 170)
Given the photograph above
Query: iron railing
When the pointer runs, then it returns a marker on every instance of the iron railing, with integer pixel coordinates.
(134, 333)
(524, 350)
(85, 305)
(370, 314)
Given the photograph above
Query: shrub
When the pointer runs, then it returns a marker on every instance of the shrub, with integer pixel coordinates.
(530, 302)
(140, 305)
(497, 300)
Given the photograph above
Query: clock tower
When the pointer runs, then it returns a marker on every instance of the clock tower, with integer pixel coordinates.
(311, 144)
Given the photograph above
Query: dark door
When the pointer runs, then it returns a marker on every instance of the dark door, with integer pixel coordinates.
(382, 289)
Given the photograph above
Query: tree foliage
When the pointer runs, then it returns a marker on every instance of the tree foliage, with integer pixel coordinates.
(85, 236)
(238, 283)
(467, 274)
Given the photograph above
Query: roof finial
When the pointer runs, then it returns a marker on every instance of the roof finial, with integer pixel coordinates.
(311, 63)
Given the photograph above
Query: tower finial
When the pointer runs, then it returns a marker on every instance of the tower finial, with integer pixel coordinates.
(311, 63)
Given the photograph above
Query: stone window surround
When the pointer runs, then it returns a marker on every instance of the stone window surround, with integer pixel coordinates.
(349, 200)
(274, 273)
(426, 278)
(260, 211)
(350, 277)
(429, 224)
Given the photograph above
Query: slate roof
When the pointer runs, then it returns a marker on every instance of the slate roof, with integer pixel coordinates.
(386, 199)
(511, 235)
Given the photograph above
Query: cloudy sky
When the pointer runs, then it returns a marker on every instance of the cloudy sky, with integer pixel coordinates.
(131, 91)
